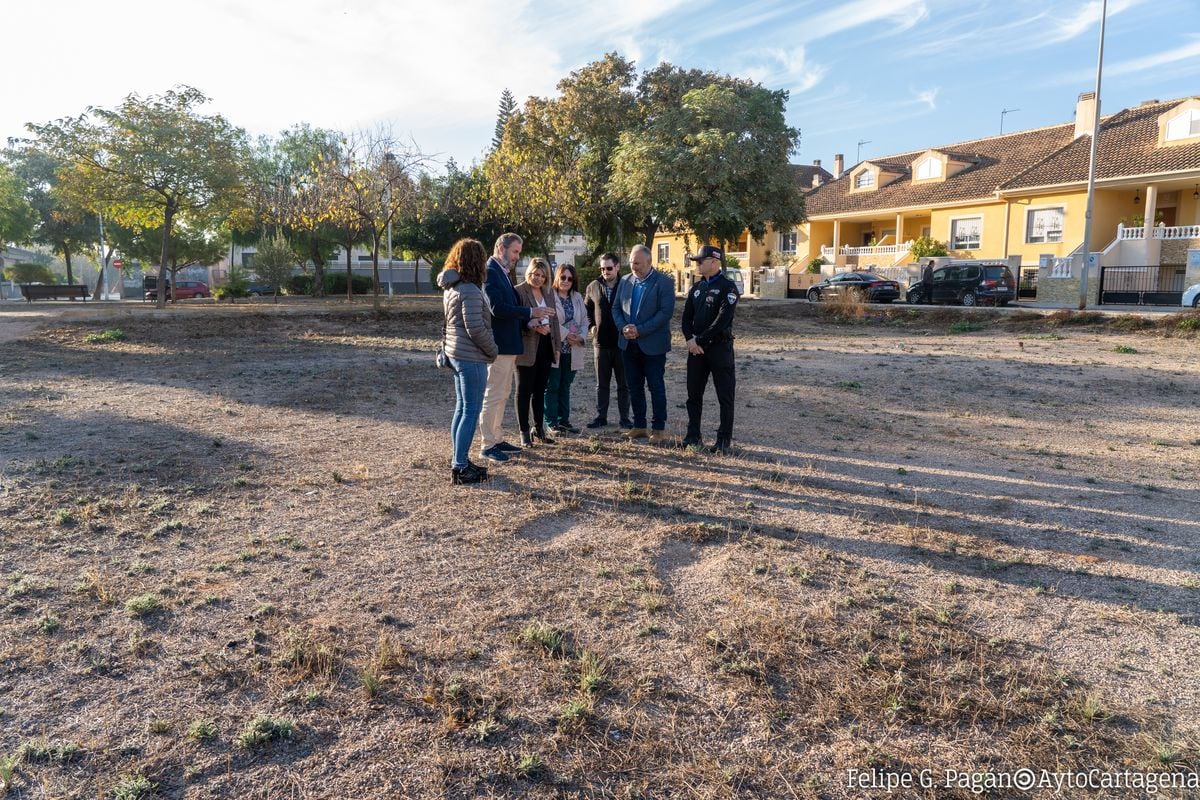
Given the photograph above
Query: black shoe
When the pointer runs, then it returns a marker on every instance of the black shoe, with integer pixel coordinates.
(505, 447)
(466, 475)
(494, 453)
(566, 427)
(540, 435)
(722, 446)
(692, 441)
(526, 439)
(477, 467)
(627, 424)
(598, 422)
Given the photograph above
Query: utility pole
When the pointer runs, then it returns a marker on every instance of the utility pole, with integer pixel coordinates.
(1091, 187)
(1002, 113)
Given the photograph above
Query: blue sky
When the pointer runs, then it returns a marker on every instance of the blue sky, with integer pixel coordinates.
(899, 74)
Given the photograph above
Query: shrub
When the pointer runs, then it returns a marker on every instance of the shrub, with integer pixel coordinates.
(335, 283)
(301, 284)
(926, 246)
(237, 286)
(274, 260)
(814, 266)
(28, 272)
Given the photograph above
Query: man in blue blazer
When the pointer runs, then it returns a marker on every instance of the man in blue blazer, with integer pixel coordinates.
(509, 318)
(642, 313)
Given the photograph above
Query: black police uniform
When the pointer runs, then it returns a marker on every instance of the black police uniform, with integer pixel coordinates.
(708, 317)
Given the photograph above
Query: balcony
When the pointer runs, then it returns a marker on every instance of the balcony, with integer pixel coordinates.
(1125, 234)
(828, 253)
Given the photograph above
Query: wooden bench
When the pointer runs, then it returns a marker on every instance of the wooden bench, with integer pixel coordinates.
(41, 291)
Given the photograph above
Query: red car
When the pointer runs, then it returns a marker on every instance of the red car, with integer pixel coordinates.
(184, 290)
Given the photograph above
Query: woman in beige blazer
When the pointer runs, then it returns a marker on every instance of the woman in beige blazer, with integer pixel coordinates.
(542, 342)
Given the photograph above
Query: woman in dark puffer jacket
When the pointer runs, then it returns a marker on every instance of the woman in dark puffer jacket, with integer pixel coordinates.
(470, 347)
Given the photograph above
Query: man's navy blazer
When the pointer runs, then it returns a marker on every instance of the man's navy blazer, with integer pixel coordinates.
(508, 315)
(653, 315)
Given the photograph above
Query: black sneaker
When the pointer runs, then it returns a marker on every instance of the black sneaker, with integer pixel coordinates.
(692, 441)
(722, 446)
(467, 475)
(505, 447)
(627, 424)
(598, 422)
(566, 427)
(494, 453)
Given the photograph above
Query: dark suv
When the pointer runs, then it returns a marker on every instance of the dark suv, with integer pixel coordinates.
(969, 283)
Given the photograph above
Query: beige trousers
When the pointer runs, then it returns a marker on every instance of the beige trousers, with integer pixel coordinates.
(495, 400)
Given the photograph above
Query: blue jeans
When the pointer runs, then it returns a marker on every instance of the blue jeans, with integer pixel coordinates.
(558, 392)
(641, 371)
(470, 381)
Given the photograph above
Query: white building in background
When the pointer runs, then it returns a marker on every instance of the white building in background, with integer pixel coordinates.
(403, 276)
(569, 245)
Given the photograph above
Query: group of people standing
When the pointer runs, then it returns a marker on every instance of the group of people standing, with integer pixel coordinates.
(538, 330)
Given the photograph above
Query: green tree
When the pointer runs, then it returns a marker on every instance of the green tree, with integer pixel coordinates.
(150, 161)
(196, 240)
(274, 260)
(445, 209)
(66, 227)
(508, 104)
(26, 272)
(710, 155)
(17, 217)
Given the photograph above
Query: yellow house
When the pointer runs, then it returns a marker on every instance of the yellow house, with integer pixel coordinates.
(1022, 196)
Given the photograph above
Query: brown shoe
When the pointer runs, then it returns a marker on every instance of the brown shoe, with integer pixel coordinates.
(636, 433)
(659, 437)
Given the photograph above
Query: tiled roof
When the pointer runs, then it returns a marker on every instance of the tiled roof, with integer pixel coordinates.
(803, 173)
(996, 159)
(1128, 145)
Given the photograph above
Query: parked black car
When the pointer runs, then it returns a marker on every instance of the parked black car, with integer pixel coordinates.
(260, 289)
(969, 284)
(864, 286)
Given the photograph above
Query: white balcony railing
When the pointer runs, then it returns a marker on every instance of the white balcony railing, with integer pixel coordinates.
(1160, 232)
(742, 257)
(1177, 232)
(878, 250)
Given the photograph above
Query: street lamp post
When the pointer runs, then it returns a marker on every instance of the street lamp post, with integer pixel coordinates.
(1091, 186)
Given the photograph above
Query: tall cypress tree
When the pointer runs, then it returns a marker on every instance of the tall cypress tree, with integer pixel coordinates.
(508, 105)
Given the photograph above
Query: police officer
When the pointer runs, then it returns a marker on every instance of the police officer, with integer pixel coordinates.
(708, 330)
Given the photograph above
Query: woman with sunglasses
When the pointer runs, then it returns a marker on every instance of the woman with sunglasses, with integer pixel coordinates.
(572, 322)
(542, 344)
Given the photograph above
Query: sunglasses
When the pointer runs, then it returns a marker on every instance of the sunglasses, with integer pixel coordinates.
(607, 269)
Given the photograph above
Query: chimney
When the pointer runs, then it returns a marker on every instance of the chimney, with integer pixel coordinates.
(816, 181)
(1085, 114)
(837, 166)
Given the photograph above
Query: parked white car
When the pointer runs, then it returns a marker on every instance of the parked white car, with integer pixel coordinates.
(1191, 297)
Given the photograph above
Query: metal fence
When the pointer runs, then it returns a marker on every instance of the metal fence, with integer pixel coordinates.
(1142, 286)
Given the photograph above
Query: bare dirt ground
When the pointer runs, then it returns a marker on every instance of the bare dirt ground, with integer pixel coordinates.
(231, 564)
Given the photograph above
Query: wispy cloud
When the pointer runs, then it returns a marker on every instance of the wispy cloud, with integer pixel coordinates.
(902, 14)
(789, 69)
(928, 97)
(1185, 59)
(1065, 25)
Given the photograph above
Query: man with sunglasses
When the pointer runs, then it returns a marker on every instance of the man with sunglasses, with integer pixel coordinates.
(708, 331)
(598, 299)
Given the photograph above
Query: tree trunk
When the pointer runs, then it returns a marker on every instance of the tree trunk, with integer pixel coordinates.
(349, 277)
(318, 269)
(160, 300)
(70, 274)
(650, 228)
(104, 259)
(375, 269)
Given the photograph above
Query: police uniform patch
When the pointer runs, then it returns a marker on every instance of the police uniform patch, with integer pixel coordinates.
(696, 293)
(732, 297)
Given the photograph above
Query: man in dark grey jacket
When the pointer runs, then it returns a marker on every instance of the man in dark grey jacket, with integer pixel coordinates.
(598, 299)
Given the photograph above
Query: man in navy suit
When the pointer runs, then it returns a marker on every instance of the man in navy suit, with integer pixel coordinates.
(509, 317)
(642, 313)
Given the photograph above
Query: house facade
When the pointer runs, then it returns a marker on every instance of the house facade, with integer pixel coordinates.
(1021, 196)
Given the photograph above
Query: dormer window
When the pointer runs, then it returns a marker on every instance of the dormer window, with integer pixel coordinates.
(864, 179)
(929, 168)
(1184, 126)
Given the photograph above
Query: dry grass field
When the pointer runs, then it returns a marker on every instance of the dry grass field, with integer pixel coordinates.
(232, 565)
